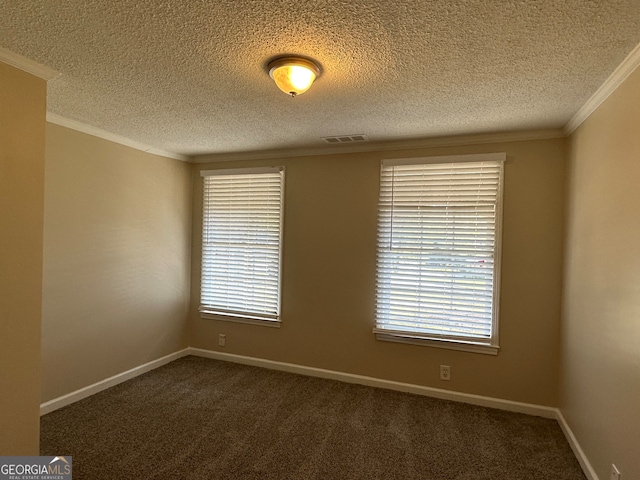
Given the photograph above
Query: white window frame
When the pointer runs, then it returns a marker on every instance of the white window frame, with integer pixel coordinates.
(217, 313)
(454, 342)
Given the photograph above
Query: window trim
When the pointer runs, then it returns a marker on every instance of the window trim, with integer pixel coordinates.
(492, 346)
(221, 314)
(246, 319)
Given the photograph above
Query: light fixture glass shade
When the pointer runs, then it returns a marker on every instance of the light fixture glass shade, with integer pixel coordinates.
(293, 75)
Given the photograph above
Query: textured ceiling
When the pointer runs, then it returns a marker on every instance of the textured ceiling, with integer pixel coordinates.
(188, 76)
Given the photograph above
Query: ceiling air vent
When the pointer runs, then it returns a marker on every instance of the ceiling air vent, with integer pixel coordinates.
(346, 139)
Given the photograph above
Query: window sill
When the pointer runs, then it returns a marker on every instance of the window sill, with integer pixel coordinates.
(263, 322)
(437, 343)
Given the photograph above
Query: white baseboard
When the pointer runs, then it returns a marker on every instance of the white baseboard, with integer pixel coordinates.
(575, 446)
(508, 405)
(498, 403)
(85, 392)
(528, 408)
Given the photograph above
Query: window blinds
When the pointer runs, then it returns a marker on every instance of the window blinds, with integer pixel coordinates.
(437, 245)
(241, 237)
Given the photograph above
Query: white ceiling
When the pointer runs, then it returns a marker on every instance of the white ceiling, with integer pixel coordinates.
(188, 76)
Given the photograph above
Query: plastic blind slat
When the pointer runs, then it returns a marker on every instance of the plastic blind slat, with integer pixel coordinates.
(436, 247)
(241, 244)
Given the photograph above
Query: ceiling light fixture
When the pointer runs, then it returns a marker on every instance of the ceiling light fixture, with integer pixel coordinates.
(293, 75)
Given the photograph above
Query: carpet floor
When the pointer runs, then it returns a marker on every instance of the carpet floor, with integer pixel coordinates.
(198, 418)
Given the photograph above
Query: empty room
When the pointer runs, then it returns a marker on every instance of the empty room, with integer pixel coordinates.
(320, 240)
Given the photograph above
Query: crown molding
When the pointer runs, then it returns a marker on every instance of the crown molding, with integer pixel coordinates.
(619, 75)
(27, 65)
(432, 142)
(112, 137)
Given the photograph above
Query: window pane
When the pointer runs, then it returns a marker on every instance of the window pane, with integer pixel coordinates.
(437, 246)
(241, 244)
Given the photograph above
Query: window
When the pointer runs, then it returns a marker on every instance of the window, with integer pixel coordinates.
(439, 251)
(241, 245)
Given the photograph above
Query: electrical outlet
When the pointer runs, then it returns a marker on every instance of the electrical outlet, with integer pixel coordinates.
(445, 372)
(615, 473)
(222, 339)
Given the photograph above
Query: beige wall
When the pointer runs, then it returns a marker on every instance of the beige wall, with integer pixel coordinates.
(116, 259)
(601, 314)
(329, 277)
(22, 143)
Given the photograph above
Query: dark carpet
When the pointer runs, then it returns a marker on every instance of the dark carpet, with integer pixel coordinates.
(197, 418)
